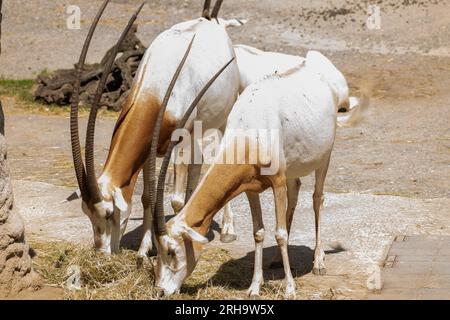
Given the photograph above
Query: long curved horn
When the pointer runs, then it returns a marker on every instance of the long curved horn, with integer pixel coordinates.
(90, 132)
(206, 6)
(215, 11)
(159, 206)
(1, 17)
(74, 133)
(150, 179)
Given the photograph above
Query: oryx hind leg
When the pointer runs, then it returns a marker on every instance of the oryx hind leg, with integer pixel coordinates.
(318, 198)
(147, 225)
(258, 235)
(180, 176)
(293, 189)
(194, 169)
(281, 232)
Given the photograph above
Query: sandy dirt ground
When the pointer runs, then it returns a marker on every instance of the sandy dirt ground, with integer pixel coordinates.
(389, 175)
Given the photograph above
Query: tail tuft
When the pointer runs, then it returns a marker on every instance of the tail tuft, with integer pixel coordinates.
(357, 111)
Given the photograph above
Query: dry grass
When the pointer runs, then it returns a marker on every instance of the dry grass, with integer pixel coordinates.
(116, 277)
(102, 277)
(217, 276)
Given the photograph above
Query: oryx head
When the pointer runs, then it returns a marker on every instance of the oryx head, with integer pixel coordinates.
(101, 205)
(178, 252)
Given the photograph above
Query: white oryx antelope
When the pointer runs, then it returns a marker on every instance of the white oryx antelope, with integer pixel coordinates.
(254, 65)
(175, 70)
(301, 106)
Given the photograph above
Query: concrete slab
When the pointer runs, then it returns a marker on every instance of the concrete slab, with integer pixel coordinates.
(416, 268)
(415, 294)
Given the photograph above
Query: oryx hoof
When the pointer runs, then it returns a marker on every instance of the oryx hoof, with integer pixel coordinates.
(227, 238)
(290, 294)
(253, 291)
(159, 293)
(319, 271)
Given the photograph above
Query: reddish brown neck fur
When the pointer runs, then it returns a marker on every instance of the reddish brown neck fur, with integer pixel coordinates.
(130, 144)
(222, 183)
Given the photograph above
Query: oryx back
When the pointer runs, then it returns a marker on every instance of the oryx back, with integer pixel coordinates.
(211, 49)
(301, 107)
(255, 64)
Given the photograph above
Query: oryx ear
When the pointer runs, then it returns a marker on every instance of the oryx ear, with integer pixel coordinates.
(194, 235)
(74, 196)
(233, 22)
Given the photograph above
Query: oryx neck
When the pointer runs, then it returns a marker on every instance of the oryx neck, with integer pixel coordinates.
(221, 183)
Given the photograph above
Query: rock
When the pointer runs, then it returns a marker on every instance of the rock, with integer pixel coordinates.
(16, 272)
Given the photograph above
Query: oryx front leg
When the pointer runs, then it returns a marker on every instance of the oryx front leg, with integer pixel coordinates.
(293, 189)
(194, 170)
(124, 222)
(281, 233)
(177, 201)
(319, 255)
(258, 235)
(147, 225)
(147, 237)
(228, 234)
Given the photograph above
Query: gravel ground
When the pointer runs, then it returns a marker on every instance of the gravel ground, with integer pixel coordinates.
(352, 257)
(36, 37)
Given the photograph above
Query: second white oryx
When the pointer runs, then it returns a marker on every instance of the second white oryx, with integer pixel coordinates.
(254, 65)
(173, 72)
(299, 111)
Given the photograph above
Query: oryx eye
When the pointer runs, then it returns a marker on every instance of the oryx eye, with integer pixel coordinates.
(172, 260)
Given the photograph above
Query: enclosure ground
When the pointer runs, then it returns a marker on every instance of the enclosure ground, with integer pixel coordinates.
(417, 267)
(389, 176)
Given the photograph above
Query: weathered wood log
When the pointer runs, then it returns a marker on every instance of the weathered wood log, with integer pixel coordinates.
(58, 87)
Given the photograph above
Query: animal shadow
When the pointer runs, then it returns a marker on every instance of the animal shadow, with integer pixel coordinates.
(237, 273)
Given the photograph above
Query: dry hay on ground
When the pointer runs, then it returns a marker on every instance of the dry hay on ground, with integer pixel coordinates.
(102, 277)
(116, 276)
(217, 276)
